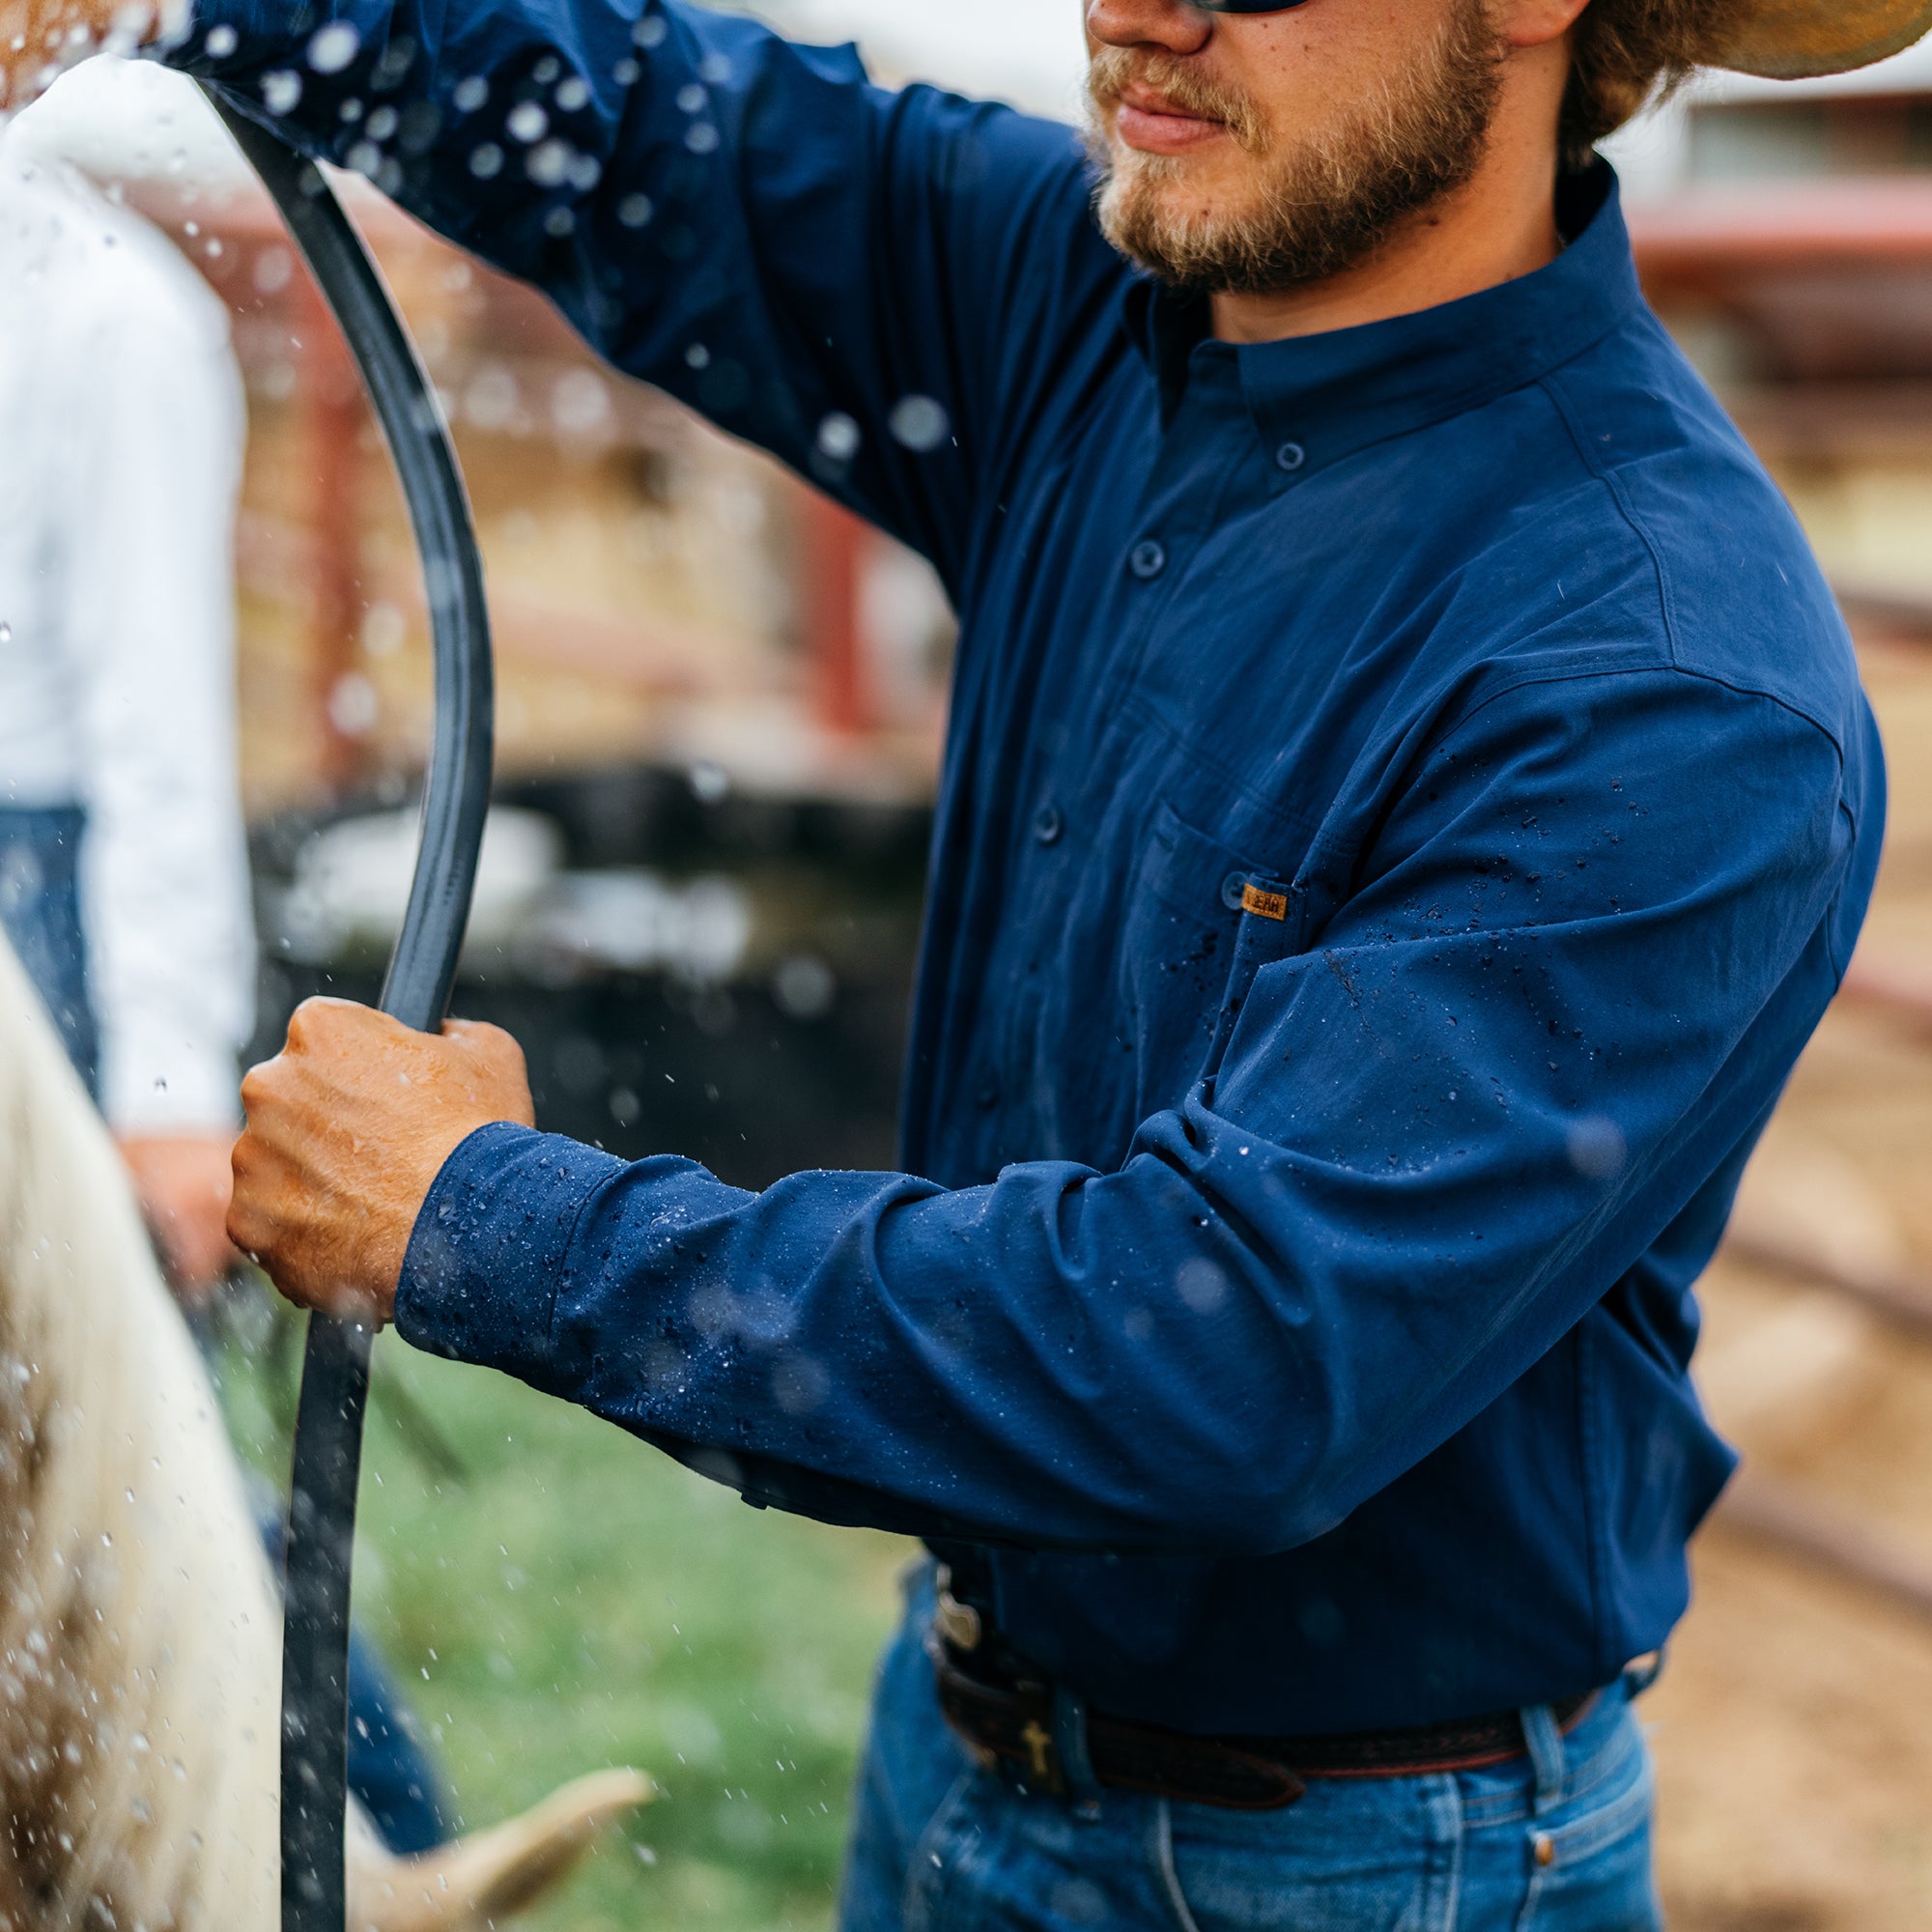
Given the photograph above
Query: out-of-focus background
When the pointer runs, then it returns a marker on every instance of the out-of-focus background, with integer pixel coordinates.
(721, 702)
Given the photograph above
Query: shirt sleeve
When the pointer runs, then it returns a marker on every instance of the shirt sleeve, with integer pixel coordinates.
(1438, 1136)
(153, 468)
(866, 283)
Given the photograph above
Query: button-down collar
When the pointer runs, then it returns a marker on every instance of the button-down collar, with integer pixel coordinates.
(1333, 393)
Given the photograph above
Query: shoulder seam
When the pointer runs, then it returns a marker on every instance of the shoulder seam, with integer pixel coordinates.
(1564, 407)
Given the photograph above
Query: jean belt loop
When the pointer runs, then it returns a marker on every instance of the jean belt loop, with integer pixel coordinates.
(1641, 1672)
(1544, 1740)
(1069, 1745)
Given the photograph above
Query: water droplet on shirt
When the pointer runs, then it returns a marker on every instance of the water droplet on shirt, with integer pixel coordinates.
(332, 48)
(1201, 1284)
(838, 437)
(919, 422)
(548, 163)
(1597, 1147)
(527, 122)
(471, 92)
(635, 210)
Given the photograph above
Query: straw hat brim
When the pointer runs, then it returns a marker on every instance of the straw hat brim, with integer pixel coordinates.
(1790, 39)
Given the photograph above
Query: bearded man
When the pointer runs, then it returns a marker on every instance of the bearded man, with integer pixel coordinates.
(1407, 801)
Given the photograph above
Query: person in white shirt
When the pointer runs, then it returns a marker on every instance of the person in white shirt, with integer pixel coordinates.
(123, 873)
(123, 879)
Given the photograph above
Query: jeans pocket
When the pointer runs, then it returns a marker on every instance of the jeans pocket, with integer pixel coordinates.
(1374, 1856)
(1591, 1871)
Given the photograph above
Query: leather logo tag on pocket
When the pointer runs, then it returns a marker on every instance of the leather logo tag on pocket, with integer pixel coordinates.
(1263, 904)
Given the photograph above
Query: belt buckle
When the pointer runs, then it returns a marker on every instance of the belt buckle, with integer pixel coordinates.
(959, 1624)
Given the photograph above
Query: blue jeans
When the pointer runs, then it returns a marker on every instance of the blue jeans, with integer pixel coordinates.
(41, 915)
(1557, 1840)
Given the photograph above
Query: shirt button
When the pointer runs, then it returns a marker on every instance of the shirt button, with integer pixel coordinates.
(1147, 560)
(1233, 887)
(1049, 825)
(1291, 456)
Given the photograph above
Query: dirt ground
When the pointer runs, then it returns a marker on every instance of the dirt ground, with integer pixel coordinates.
(1793, 1729)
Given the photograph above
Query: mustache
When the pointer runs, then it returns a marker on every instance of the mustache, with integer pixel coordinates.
(1113, 69)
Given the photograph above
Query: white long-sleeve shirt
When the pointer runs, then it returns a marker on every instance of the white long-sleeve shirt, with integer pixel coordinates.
(120, 433)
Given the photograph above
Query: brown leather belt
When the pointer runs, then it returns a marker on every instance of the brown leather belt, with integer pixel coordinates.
(1009, 1723)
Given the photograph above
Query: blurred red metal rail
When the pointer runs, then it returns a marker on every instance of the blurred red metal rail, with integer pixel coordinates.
(1717, 230)
(1799, 1524)
(1899, 1297)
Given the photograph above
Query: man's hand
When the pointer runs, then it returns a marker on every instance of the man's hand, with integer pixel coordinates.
(184, 1184)
(348, 1128)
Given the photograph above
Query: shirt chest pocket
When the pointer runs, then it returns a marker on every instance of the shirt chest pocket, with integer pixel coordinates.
(1203, 919)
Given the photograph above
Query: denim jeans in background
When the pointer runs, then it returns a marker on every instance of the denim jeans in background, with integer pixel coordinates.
(41, 915)
(1558, 1841)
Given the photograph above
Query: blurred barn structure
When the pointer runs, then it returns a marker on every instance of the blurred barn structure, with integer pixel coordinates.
(662, 595)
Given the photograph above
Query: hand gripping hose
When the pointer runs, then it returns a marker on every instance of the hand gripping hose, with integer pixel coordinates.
(335, 1371)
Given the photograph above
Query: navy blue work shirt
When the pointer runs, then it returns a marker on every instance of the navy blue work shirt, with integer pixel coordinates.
(1407, 801)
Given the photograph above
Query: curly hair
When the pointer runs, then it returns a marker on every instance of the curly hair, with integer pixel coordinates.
(1626, 52)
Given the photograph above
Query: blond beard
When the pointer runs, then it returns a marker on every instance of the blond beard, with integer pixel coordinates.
(1321, 204)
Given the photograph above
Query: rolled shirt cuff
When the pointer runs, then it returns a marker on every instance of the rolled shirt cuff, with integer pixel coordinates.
(492, 1244)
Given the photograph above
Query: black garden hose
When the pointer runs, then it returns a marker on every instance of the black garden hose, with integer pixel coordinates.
(335, 1370)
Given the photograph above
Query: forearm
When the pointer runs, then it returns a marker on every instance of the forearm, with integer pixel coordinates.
(1434, 1146)
(1225, 1346)
(942, 1350)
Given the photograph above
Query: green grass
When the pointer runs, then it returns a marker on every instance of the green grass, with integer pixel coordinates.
(571, 1600)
